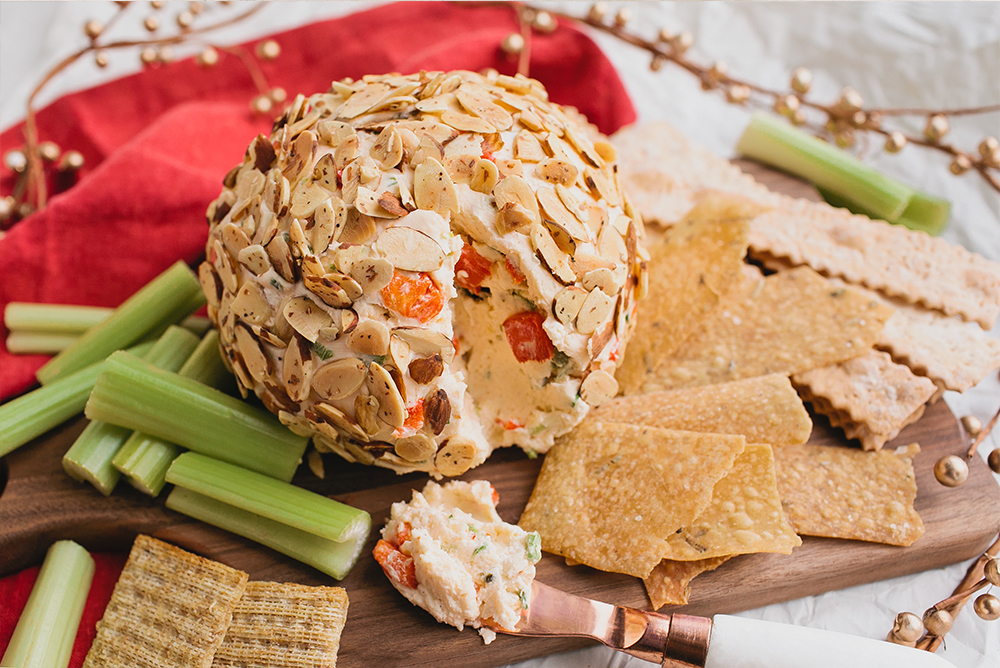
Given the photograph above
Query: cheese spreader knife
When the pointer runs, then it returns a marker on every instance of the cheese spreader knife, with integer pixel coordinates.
(686, 641)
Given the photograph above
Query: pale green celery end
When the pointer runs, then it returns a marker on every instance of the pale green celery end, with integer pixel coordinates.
(183, 411)
(327, 556)
(46, 631)
(144, 461)
(924, 213)
(53, 318)
(194, 302)
(172, 349)
(31, 342)
(89, 458)
(166, 299)
(772, 141)
(197, 324)
(267, 497)
(205, 365)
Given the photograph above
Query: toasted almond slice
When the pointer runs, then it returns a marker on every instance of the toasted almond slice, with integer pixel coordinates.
(427, 342)
(415, 448)
(602, 279)
(392, 409)
(514, 218)
(530, 120)
(429, 147)
(297, 368)
(234, 238)
(281, 257)
(366, 413)
(555, 171)
(514, 84)
(342, 422)
(508, 167)
(395, 104)
(606, 150)
(329, 218)
(249, 184)
(311, 265)
(425, 369)
(480, 104)
(346, 152)
(584, 262)
(305, 200)
(224, 266)
(300, 157)
(359, 228)
(484, 176)
(567, 303)
(348, 320)
(399, 352)
(350, 181)
(256, 360)
(598, 387)
(465, 144)
(369, 171)
(332, 133)
(276, 192)
(460, 168)
(602, 185)
(372, 273)
(347, 284)
(300, 427)
(595, 310)
(370, 337)
(527, 148)
(582, 143)
(392, 204)
(553, 209)
(325, 174)
(367, 203)
(437, 410)
(558, 149)
(363, 100)
(327, 290)
(467, 122)
(437, 104)
(211, 285)
(433, 189)
(515, 189)
(251, 305)
(306, 317)
(612, 247)
(456, 456)
(409, 249)
(339, 379)
(297, 237)
(552, 256)
(267, 336)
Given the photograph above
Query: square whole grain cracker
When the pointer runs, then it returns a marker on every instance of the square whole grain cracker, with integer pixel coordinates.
(169, 608)
(669, 583)
(764, 409)
(840, 492)
(284, 625)
(786, 323)
(871, 397)
(743, 517)
(609, 495)
(697, 261)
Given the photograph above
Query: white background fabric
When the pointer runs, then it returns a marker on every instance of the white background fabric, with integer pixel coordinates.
(898, 54)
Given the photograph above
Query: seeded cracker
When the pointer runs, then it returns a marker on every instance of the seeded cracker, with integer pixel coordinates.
(841, 492)
(765, 409)
(786, 323)
(610, 495)
(278, 625)
(169, 608)
(697, 262)
(670, 582)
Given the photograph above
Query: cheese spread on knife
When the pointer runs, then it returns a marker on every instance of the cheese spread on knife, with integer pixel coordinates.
(449, 552)
(416, 270)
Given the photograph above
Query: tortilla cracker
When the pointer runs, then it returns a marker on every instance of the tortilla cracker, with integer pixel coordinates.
(169, 608)
(609, 495)
(786, 323)
(871, 397)
(841, 492)
(744, 516)
(764, 409)
(669, 583)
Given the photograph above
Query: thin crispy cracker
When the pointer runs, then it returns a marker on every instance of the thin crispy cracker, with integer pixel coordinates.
(610, 495)
(696, 262)
(284, 625)
(744, 516)
(786, 323)
(169, 608)
(870, 396)
(669, 583)
(764, 409)
(841, 492)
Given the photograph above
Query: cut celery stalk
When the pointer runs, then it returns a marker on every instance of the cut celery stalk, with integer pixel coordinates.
(91, 456)
(205, 364)
(31, 342)
(34, 413)
(267, 497)
(46, 630)
(64, 318)
(327, 556)
(168, 298)
(133, 394)
(924, 212)
(772, 141)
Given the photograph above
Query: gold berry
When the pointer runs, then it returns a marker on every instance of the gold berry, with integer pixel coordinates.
(786, 105)
(185, 19)
(656, 64)
(801, 80)
(512, 44)
(208, 57)
(71, 161)
(16, 160)
(148, 55)
(895, 142)
(738, 93)
(844, 139)
(544, 22)
(278, 95)
(101, 59)
(598, 11)
(268, 50)
(992, 572)
(972, 425)
(951, 471)
(937, 127)
(92, 29)
(851, 100)
(987, 607)
(938, 622)
(666, 35)
(261, 104)
(682, 42)
(960, 165)
(622, 17)
(151, 23)
(797, 118)
(988, 145)
(907, 627)
(49, 151)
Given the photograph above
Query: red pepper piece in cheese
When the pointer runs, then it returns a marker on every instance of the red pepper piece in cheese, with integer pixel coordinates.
(397, 566)
(413, 295)
(527, 337)
(471, 269)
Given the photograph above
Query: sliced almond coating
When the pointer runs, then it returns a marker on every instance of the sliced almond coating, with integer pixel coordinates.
(366, 413)
(368, 170)
(515, 189)
(392, 409)
(484, 176)
(465, 144)
(425, 369)
(327, 290)
(325, 174)
(367, 203)
(584, 262)
(456, 456)
(397, 378)
(583, 144)
(513, 84)
(301, 156)
(415, 448)
(572, 199)
(559, 149)
(555, 171)
(234, 238)
(256, 360)
(329, 220)
(508, 167)
(281, 257)
(409, 249)
(467, 122)
(249, 184)
(210, 284)
(339, 379)
(427, 342)
(429, 147)
(267, 228)
(567, 303)
(514, 218)
(372, 274)
(363, 100)
(478, 101)
(460, 168)
(598, 387)
(437, 104)
(341, 421)
(433, 189)
(553, 209)
(276, 192)
(359, 228)
(224, 266)
(301, 427)
(552, 256)
(348, 320)
(350, 181)
(595, 310)
(527, 148)
(305, 200)
(606, 150)
(251, 305)
(530, 120)
(612, 247)
(392, 204)
(370, 337)
(297, 368)
(297, 238)
(601, 279)
(437, 410)
(306, 317)
(333, 133)
(396, 104)
(602, 185)
(267, 336)
(311, 265)
(346, 152)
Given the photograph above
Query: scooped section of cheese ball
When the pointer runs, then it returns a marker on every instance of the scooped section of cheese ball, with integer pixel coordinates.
(415, 270)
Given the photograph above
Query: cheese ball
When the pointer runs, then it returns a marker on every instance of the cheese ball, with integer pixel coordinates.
(416, 270)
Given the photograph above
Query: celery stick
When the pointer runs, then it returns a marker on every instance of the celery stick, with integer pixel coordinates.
(197, 324)
(267, 497)
(327, 556)
(774, 142)
(924, 212)
(31, 342)
(34, 413)
(91, 455)
(167, 298)
(133, 394)
(205, 364)
(53, 318)
(46, 631)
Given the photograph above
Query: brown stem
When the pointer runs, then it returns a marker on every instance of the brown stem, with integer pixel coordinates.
(524, 58)
(982, 435)
(947, 112)
(256, 74)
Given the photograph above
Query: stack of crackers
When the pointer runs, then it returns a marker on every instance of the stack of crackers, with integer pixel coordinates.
(758, 302)
(172, 608)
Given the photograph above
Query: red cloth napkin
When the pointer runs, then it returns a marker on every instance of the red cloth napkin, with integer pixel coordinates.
(158, 143)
